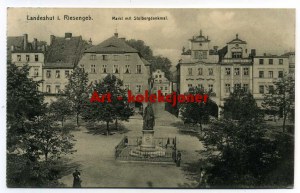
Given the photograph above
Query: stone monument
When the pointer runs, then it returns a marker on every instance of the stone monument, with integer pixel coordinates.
(148, 131)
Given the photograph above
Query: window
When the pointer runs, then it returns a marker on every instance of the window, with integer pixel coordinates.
(227, 88)
(67, 73)
(57, 89)
(200, 71)
(261, 61)
(19, 58)
(236, 54)
(36, 72)
(156, 76)
(36, 58)
(237, 86)
(93, 57)
(210, 71)
(245, 87)
(127, 69)
(190, 71)
(246, 71)
(261, 89)
(161, 88)
(57, 74)
(211, 88)
(166, 88)
(105, 57)
(48, 89)
(271, 89)
(27, 58)
(261, 74)
(127, 86)
(93, 68)
(280, 61)
(48, 74)
(271, 61)
(228, 71)
(138, 69)
(190, 85)
(116, 57)
(159, 76)
(116, 69)
(270, 74)
(138, 88)
(104, 70)
(280, 74)
(127, 57)
(160, 81)
(236, 71)
(200, 54)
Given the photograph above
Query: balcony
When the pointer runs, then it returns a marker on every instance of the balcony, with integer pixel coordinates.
(236, 60)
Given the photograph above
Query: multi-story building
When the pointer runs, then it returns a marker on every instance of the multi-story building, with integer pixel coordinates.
(22, 52)
(235, 65)
(266, 69)
(114, 56)
(198, 67)
(232, 67)
(291, 56)
(161, 82)
(62, 56)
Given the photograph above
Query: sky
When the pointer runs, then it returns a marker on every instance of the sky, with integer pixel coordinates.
(266, 30)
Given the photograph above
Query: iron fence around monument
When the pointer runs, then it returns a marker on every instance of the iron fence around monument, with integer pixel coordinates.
(123, 151)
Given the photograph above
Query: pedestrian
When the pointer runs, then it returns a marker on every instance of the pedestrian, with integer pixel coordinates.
(77, 179)
(178, 160)
(174, 155)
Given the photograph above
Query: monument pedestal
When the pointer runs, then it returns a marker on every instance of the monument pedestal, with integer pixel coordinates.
(148, 141)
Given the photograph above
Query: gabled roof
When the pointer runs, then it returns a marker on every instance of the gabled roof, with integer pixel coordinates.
(16, 41)
(66, 51)
(237, 40)
(112, 45)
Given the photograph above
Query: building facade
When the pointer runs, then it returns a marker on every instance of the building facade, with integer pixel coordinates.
(160, 82)
(22, 52)
(266, 69)
(114, 56)
(62, 56)
(222, 71)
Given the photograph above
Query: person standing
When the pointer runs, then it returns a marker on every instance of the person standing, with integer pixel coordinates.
(178, 159)
(77, 179)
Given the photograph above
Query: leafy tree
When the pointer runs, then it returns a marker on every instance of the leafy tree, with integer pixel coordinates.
(157, 62)
(241, 105)
(47, 139)
(60, 109)
(281, 100)
(108, 111)
(76, 90)
(193, 112)
(24, 102)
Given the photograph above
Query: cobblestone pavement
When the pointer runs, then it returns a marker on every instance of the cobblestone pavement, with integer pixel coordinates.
(95, 156)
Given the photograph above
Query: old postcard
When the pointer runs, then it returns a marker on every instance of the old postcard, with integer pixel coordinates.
(150, 98)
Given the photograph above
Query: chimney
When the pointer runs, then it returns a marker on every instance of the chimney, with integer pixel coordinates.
(12, 48)
(35, 46)
(265, 54)
(25, 41)
(215, 48)
(44, 48)
(52, 38)
(116, 34)
(68, 35)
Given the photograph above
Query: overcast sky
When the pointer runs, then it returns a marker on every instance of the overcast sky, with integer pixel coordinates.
(266, 30)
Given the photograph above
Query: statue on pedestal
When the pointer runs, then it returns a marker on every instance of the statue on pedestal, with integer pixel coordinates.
(148, 117)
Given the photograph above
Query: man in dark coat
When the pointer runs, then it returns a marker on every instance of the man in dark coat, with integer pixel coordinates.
(77, 179)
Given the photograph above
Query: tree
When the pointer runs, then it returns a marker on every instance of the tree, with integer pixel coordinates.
(157, 62)
(193, 112)
(76, 90)
(281, 99)
(113, 109)
(47, 139)
(24, 102)
(60, 109)
(240, 105)
(239, 153)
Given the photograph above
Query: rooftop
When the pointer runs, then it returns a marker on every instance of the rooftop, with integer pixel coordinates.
(237, 40)
(200, 38)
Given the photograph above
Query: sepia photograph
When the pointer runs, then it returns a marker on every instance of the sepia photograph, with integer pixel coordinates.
(150, 98)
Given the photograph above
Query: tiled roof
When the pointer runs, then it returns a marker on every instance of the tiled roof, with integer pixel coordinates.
(222, 52)
(58, 66)
(288, 54)
(65, 50)
(145, 61)
(188, 52)
(112, 45)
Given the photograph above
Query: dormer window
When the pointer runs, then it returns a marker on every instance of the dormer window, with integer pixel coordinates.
(236, 54)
